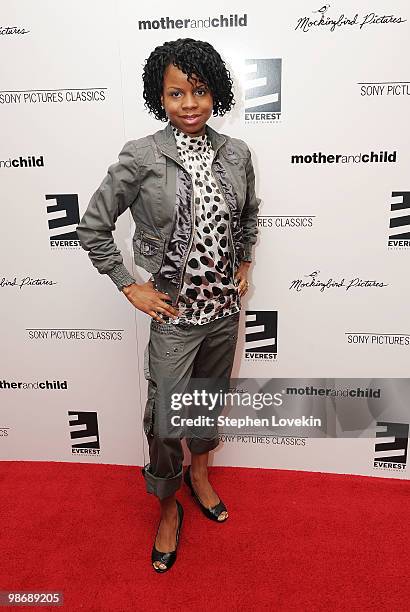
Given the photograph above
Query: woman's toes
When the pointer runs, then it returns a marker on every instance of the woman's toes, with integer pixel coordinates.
(159, 565)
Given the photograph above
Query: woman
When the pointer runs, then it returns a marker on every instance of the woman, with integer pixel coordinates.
(191, 192)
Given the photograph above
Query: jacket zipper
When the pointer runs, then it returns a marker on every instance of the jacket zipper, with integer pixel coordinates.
(192, 223)
(144, 235)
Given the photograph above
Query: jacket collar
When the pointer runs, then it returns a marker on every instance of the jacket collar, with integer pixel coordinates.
(166, 141)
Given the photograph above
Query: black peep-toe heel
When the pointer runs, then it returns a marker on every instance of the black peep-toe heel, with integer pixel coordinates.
(212, 513)
(167, 558)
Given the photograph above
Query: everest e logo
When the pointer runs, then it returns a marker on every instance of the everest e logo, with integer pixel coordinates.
(263, 90)
(84, 432)
(391, 446)
(399, 235)
(261, 341)
(63, 218)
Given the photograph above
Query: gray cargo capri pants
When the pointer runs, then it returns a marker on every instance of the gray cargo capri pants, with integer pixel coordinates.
(179, 352)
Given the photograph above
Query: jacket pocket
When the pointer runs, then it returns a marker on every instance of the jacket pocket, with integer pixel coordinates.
(148, 250)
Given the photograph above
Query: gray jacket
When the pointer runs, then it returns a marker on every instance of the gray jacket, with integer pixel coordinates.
(150, 179)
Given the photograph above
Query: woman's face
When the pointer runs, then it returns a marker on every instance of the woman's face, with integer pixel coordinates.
(188, 105)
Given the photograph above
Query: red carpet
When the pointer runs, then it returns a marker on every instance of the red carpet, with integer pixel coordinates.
(294, 541)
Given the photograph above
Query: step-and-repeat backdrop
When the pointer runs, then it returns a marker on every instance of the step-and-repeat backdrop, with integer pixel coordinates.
(322, 101)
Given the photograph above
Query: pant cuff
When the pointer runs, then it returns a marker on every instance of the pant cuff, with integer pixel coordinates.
(161, 487)
(201, 445)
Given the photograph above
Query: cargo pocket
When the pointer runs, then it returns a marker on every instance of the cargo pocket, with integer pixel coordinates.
(148, 250)
(148, 419)
(169, 340)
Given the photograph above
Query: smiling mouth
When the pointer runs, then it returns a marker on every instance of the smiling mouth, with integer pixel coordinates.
(190, 116)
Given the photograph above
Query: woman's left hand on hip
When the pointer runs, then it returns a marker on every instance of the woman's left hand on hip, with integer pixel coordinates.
(241, 278)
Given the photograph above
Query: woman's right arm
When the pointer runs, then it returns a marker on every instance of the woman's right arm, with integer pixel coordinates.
(116, 193)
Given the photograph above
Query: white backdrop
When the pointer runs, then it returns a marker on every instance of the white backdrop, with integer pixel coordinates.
(309, 79)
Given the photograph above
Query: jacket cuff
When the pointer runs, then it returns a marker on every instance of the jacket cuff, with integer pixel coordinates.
(120, 276)
(247, 252)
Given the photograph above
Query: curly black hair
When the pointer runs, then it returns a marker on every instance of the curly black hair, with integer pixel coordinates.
(194, 58)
